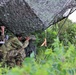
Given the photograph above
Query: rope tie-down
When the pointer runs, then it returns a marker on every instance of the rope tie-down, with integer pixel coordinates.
(45, 40)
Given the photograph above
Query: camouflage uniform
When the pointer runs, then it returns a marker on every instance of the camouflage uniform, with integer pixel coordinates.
(13, 52)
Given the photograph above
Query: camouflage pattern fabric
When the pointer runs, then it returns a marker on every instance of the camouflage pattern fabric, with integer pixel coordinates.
(13, 52)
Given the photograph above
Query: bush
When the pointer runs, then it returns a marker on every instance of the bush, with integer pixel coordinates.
(58, 60)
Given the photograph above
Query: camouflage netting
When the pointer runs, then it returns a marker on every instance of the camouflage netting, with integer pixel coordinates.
(28, 16)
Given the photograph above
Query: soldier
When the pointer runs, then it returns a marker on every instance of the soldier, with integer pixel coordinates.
(2, 40)
(13, 51)
(31, 47)
(17, 51)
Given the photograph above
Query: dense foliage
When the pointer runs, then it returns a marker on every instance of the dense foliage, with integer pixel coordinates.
(58, 58)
